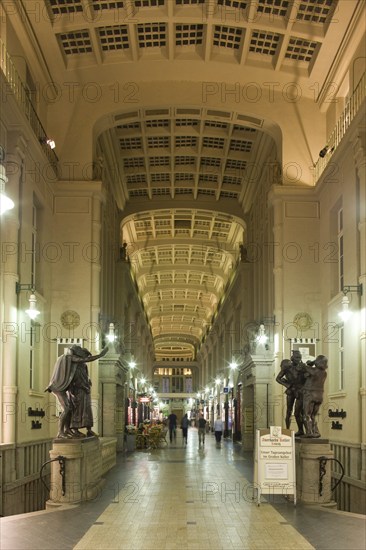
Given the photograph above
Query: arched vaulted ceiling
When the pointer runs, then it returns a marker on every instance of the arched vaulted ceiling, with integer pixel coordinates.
(186, 174)
(183, 257)
(182, 260)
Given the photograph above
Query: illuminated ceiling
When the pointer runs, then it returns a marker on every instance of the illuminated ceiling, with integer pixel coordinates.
(188, 174)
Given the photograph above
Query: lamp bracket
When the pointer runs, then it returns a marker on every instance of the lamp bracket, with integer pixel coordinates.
(20, 286)
(352, 288)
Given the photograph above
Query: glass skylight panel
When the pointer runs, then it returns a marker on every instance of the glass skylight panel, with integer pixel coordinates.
(300, 49)
(138, 193)
(202, 223)
(239, 4)
(232, 164)
(213, 142)
(183, 191)
(129, 126)
(189, 2)
(208, 178)
(159, 161)
(130, 143)
(59, 7)
(215, 124)
(141, 225)
(228, 195)
(207, 192)
(186, 122)
(148, 3)
(163, 223)
(76, 42)
(273, 7)
(158, 142)
(231, 180)
(160, 191)
(187, 35)
(222, 225)
(240, 145)
(264, 42)
(99, 5)
(185, 161)
(185, 141)
(136, 178)
(227, 37)
(315, 11)
(160, 177)
(113, 38)
(158, 123)
(211, 161)
(239, 128)
(151, 35)
(183, 177)
(137, 162)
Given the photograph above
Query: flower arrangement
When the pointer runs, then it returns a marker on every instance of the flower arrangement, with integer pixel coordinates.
(131, 429)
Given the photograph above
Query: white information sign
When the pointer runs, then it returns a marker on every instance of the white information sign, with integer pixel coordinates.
(274, 467)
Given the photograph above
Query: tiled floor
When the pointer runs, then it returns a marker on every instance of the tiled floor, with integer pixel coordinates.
(184, 497)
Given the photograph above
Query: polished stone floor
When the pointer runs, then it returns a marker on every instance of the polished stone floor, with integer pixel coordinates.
(184, 497)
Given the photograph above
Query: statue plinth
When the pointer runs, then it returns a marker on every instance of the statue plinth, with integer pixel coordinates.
(313, 470)
(76, 472)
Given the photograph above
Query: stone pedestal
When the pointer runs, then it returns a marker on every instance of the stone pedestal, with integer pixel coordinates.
(312, 482)
(82, 471)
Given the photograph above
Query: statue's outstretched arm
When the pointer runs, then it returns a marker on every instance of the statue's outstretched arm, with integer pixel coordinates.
(95, 357)
(89, 358)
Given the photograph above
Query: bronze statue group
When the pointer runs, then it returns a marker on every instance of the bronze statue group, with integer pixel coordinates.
(304, 383)
(71, 384)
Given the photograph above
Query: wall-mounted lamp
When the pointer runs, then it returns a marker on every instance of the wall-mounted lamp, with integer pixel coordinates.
(132, 363)
(262, 336)
(5, 202)
(47, 141)
(111, 333)
(345, 314)
(233, 365)
(32, 311)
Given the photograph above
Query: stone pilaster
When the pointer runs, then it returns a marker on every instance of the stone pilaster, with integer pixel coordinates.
(10, 326)
(113, 380)
(313, 470)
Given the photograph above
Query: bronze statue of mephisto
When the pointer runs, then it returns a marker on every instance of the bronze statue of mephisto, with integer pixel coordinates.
(304, 383)
(71, 384)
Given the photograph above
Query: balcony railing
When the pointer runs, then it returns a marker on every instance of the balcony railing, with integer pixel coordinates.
(22, 96)
(353, 105)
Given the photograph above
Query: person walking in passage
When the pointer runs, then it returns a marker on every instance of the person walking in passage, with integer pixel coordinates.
(172, 425)
(185, 423)
(218, 429)
(201, 429)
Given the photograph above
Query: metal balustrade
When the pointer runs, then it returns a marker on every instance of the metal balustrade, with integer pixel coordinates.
(350, 111)
(22, 96)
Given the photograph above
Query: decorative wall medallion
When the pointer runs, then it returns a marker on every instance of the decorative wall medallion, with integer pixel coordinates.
(303, 321)
(70, 319)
